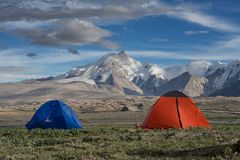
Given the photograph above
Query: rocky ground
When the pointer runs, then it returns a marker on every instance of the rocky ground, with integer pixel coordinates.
(110, 132)
(130, 103)
(122, 110)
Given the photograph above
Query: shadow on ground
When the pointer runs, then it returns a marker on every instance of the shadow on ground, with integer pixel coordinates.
(220, 150)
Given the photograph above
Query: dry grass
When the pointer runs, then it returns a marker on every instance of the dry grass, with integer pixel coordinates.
(112, 134)
(121, 142)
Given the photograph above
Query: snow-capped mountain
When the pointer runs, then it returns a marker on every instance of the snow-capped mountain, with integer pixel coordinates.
(104, 67)
(130, 76)
(196, 68)
(213, 67)
(231, 90)
(119, 68)
(224, 75)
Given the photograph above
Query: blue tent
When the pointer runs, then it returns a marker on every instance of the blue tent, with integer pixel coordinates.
(54, 114)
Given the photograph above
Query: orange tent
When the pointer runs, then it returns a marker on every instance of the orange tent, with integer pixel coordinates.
(174, 110)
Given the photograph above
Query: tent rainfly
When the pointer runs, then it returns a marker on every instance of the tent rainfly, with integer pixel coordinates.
(54, 114)
(174, 110)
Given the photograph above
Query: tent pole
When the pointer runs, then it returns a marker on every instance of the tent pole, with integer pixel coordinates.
(179, 117)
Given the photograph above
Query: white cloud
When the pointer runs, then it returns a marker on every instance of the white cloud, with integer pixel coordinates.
(61, 22)
(227, 49)
(11, 25)
(160, 54)
(108, 11)
(11, 57)
(198, 68)
(40, 21)
(173, 71)
(204, 20)
(70, 32)
(160, 40)
(230, 43)
(206, 54)
(16, 73)
(61, 9)
(17, 57)
(13, 77)
(14, 69)
(127, 29)
(196, 32)
(16, 66)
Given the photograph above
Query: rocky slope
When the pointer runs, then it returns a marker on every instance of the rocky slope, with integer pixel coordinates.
(223, 76)
(232, 90)
(187, 83)
(120, 73)
(118, 70)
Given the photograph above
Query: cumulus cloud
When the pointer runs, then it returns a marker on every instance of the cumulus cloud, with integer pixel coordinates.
(199, 67)
(69, 32)
(174, 71)
(106, 11)
(196, 68)
(52, 9)
(51, 22)
(80, 22)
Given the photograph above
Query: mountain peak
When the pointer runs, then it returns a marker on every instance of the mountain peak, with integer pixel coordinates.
(122, 53)
(121, 63)
(186, 74)
(129, 76)
(105, 57)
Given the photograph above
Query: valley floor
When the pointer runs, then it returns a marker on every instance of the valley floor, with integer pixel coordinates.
(112, 134)
(121, 142)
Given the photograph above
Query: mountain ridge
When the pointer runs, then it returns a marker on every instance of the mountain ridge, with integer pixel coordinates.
(129, 76)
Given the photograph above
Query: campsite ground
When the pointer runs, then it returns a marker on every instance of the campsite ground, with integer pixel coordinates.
(110, 133)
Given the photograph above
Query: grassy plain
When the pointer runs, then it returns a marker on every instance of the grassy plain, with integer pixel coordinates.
(121, 142)
(113, 135)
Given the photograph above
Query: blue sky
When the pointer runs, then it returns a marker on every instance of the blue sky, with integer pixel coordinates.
(49, 37)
